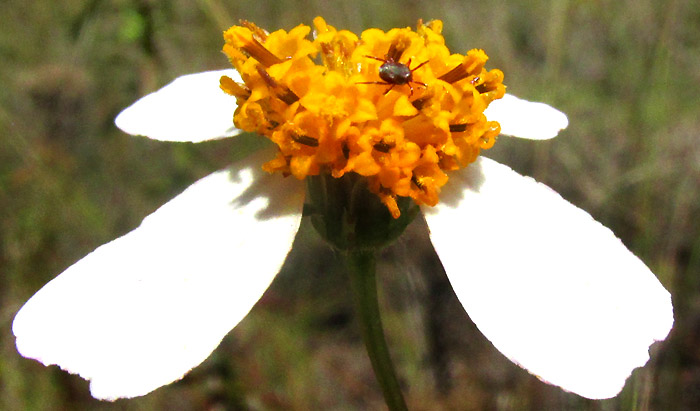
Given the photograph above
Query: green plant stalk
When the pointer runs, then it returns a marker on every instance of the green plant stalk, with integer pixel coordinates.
(361, 265)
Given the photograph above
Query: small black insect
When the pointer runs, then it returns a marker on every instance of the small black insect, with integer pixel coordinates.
(395, 73)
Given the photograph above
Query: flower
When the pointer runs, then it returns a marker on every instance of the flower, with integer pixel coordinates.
(551, 288)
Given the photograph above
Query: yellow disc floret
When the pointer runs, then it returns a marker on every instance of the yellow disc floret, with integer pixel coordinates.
(396, 107)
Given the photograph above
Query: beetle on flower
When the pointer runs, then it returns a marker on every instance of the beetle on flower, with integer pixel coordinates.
(551, 288)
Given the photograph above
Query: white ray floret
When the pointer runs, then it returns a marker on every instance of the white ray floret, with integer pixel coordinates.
(551, 288)
(141, 311)
(192, 108)
(526, 119)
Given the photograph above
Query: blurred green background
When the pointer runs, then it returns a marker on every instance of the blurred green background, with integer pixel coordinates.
(626, 72)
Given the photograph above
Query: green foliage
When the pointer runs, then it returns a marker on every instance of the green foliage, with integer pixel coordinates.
(624, 71)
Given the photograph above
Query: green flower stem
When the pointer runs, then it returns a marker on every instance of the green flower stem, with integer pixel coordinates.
(362, 268)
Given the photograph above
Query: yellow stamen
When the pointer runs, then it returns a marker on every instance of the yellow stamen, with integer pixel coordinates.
(245, 40)
(283, 93)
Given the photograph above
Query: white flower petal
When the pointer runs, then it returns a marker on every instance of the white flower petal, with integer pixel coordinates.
(526, 119)
(191, 108)
(144, 309)
(551, 288)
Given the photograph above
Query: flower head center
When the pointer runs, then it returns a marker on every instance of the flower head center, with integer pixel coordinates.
(395, 107)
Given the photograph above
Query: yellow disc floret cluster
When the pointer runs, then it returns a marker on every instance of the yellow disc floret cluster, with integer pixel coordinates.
(396, 107)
